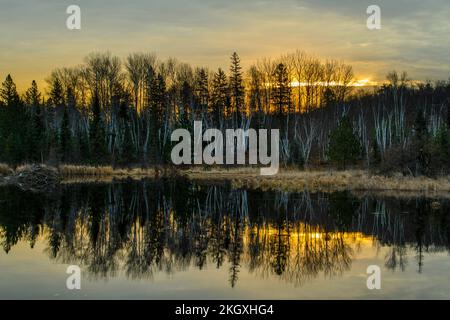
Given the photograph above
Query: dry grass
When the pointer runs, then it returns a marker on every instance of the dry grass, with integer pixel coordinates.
(75, 172)
(355, 180)
(326, 181)
(214, 173)
(291, 180)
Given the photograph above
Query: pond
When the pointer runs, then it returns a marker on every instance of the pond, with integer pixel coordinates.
(179, 239)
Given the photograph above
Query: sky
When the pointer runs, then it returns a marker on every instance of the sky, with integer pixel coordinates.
(414, 34)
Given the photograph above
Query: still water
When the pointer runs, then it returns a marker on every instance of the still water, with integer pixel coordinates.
(176, 239)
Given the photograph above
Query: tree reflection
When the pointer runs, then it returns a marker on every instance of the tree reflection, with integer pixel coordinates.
(142, 228)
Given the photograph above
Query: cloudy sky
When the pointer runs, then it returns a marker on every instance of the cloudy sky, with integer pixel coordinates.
(415, 34)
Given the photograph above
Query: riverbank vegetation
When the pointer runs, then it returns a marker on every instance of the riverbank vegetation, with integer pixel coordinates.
(287, 180)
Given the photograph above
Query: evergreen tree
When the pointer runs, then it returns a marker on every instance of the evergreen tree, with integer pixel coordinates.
(14, 122)
(8, 92)
(236, 88)
(281, 97)
(201, 92)
(32, 95)
(34, 137)
(57, 93)
(344, 145)
(219, 96)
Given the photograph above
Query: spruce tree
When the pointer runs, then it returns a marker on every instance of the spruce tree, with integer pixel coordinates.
(201, 92)
(219, 96)
(8, 92)
(32, 95)
(37, 127)
(14, 124)
(37, 132)
(57, 93)
(344, 145)
(236, 88)
(281, 96)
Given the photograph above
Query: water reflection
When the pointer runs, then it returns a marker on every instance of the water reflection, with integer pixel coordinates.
(142, 228)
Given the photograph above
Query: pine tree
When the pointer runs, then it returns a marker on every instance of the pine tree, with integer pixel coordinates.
(57, 93)
(219, 96)
(8, 92)
(34, 137)
(32, 95)
(281, 97)
(14, 122)
(344, 145)
(201, 92)
(236, 88)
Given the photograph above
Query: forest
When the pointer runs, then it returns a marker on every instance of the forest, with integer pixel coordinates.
(121, 112)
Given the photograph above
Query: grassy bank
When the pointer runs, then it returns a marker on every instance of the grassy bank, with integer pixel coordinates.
(327, 181)
(75, 172)
(290, 180)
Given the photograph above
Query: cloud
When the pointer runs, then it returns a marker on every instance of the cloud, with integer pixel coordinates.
(414, 34)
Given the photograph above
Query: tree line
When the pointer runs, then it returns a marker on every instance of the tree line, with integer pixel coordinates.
(122, 112)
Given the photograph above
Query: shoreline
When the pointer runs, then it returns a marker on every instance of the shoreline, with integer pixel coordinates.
(289, 180)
